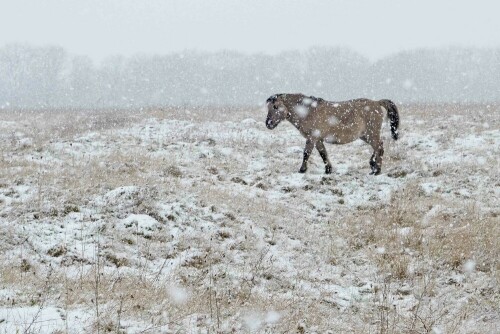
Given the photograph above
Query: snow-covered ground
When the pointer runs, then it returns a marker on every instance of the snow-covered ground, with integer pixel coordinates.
(196, 221)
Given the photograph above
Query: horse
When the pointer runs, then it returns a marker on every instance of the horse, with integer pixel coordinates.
(320, 121)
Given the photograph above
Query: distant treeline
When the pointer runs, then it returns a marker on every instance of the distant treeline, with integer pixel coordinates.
(49, 76)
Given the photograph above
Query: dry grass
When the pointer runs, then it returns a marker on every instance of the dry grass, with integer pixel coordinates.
(249, 242)
(412, 252)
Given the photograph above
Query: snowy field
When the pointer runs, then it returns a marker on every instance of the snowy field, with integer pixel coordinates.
(196, 221)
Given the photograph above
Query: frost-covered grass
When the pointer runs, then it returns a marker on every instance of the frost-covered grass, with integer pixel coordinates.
(174, 220)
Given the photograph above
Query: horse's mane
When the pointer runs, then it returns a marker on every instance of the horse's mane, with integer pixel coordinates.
(274, 98)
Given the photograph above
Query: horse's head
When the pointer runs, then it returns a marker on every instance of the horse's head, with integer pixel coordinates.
(276, 111)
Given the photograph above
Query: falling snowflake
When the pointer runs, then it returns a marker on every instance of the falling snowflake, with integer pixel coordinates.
(333, 120)
(301, 111)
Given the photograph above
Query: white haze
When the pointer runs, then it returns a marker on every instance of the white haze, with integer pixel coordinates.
(100, 28)
(129, 53)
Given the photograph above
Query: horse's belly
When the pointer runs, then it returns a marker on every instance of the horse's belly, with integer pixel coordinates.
(340, 139)
(331, 139)
(343, 134)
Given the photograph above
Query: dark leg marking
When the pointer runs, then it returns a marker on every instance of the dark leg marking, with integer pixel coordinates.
(374, 166)
(324, 155)
(307, 153)
(376, 159)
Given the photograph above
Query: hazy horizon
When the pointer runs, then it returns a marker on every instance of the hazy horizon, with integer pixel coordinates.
(98, 61)
(51, 77)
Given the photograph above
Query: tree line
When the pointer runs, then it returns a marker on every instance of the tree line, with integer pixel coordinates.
(49, 77)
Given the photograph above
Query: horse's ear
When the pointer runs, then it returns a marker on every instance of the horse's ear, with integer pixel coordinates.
(272, 99)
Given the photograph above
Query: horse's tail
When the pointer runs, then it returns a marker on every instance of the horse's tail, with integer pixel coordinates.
(393, 115)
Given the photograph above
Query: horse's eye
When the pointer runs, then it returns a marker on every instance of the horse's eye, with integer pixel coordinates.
(275, 107)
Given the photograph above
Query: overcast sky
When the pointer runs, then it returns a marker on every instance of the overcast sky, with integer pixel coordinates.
(100, 28)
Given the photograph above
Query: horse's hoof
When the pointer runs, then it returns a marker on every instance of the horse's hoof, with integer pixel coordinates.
(302, 170)
(375, 172)
(328, 170)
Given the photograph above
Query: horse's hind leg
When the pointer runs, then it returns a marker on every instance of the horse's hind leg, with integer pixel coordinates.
(378, 152)
(376, 159)
(307, 153)
(324, 155)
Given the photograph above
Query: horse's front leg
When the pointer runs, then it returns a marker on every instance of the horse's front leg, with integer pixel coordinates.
(324, 155)
(307, 153)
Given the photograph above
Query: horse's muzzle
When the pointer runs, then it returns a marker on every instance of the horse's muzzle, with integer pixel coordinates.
(270, 124)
